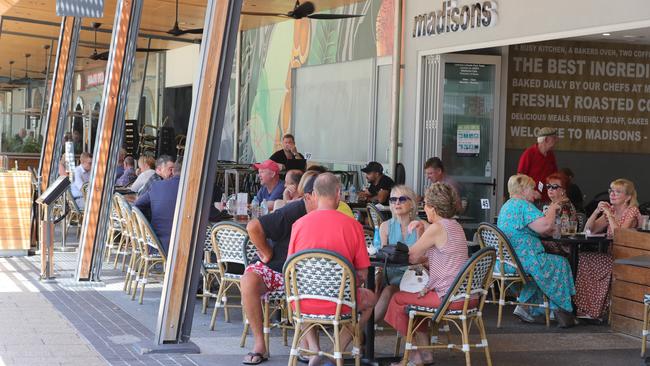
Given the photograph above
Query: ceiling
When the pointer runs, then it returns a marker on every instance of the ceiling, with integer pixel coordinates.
(639, 36)
(20, 35)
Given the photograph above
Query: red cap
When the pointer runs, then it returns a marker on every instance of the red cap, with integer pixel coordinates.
(268, 164)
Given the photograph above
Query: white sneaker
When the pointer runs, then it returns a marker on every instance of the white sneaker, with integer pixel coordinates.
(522, 314)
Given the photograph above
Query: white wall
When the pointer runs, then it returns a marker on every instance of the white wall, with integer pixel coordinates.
(181, 66)
(519, 21)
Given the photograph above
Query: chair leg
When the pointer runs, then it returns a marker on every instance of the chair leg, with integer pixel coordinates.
(502, 299)
(297, 330)
(409, 340)
(481, 328)
(547, 311)
(217, 304)
(644, 337)
(465, 338)
(337, 345)
(129, 270)
(267, 327)
(120, 248)
(204, 307)
(242, 342)
(357, 344)
(398, 345)
(144, 280)
(138, 277)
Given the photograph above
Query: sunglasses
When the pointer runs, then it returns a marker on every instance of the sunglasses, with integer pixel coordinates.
(553, 186)
(400, 199)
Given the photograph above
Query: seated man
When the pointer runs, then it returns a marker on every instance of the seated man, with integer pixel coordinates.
(289, 154)
(128, 176)
(164, 170)
(380, 184)
(160, 202)
(119, 170)
(270, 234)
(81, 175)
(272, 186)
(326, 228)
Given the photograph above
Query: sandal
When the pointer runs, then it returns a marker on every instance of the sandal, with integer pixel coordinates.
(256, 358)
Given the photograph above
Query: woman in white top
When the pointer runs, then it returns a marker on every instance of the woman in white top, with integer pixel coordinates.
(146, 165)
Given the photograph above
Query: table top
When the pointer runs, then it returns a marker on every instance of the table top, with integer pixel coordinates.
(579, 239)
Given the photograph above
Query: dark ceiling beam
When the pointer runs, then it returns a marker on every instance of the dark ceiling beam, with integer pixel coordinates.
(100, 30)
(50, 38)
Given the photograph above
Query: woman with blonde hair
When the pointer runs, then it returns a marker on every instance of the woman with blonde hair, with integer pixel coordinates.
(146, 168)
(595, 269)
(400, 228)
(523, 223)
(443, 247)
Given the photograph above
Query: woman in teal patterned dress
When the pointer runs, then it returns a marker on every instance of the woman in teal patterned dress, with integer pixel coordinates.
(522, 222)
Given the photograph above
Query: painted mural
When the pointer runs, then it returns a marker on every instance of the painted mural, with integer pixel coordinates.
(270, 53)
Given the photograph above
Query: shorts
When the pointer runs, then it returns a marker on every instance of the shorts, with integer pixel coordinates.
(274, 281)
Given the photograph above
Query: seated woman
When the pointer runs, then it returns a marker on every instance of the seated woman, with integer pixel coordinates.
(444, 247)
(556, 186)
(146, 166)
(595, 269)
(400, 228)
(522, 222)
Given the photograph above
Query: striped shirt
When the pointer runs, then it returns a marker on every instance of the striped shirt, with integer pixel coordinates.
(445, 263)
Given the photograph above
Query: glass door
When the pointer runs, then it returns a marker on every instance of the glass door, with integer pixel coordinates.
(469, 133)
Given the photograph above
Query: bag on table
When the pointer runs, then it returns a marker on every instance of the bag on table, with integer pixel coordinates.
(395, 254)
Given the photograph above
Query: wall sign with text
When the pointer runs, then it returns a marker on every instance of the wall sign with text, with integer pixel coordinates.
(596, 94)
(452, 18)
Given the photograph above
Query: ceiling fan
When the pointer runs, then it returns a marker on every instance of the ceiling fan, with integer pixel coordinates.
(44, 71)
(103, 56)
(177, 31)
(303, 10)
(26, 79)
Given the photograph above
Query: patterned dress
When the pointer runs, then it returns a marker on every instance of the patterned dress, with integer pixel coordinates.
(552, 273)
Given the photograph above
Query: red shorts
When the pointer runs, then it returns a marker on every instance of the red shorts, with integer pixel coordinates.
(274, 281)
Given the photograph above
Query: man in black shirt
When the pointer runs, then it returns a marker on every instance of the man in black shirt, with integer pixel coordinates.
(380, 184)
(270, 234)
(289, 152)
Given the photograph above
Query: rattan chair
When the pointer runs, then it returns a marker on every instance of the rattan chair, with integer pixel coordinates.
(272, 302)
(76, 214)
(582, 220)
(125, 247)
(151, 252)
(231, 246)
(491, 236)
(471, 284)
(209, 270)
(327, 276)
(114, 229)
(374, 215)
(646, 319)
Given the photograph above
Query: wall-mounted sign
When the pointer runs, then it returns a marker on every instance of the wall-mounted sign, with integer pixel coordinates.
(596, 94)
(468, 140)
(94, 79)
(453, 18)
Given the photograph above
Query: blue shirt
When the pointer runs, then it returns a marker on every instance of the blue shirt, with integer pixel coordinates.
(275, 194)
(160, 201)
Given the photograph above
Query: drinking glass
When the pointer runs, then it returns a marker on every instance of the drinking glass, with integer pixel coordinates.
(572, 228)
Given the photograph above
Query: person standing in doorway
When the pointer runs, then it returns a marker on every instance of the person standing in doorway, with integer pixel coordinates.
(538, 161)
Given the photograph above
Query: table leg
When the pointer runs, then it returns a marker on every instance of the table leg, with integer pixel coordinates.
(369, 353)
(573, 256)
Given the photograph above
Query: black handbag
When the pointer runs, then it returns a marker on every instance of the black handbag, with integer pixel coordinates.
(395, 254)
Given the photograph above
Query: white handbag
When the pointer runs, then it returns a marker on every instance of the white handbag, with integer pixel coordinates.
(414, 280)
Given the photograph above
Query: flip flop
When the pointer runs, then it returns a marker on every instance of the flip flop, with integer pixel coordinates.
(252, 355)
(303, 359)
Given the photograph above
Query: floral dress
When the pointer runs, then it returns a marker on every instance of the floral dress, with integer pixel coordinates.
(552, 273)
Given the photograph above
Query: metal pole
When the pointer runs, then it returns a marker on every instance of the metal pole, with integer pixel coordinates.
(235, 149)
(144, 79)
(397, 69)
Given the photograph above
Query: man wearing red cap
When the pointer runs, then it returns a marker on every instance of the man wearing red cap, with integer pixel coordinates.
(272, 186)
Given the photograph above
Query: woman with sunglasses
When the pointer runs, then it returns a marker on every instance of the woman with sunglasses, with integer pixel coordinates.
(403, 227)
(595, 269)
(443, 248)
(523, 224)
(556, 185)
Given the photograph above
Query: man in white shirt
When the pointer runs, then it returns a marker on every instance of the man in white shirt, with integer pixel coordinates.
(81, 175)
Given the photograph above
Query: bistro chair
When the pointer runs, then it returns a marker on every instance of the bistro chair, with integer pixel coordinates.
(209, 269)
(272, 303)
(470, 289)
(84, 192)
(75, 216)
(151, 252)
(374, 215)
(128, 245)
(646, 320)
(327, 276)
(492, 237)
(231, 246)
(582, 220)
(114, 229)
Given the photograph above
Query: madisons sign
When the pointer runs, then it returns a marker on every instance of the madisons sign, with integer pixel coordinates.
(453, 18)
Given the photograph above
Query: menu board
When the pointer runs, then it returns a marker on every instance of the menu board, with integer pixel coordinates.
(596, 94)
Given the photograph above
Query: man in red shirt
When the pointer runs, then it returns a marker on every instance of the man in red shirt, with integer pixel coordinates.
(538, 161)
(326, 228)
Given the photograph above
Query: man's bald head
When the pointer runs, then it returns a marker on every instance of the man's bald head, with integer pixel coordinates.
(327, 188)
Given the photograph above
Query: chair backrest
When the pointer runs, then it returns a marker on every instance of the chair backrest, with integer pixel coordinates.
(368, 235)
(582, 220)
(125, 215)
(231, 244)
(147, 236)
(322, 275)
(73, 204)
(374, 216)
(473, 281)
(116, 214)
(84, 191)
(491, 236)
